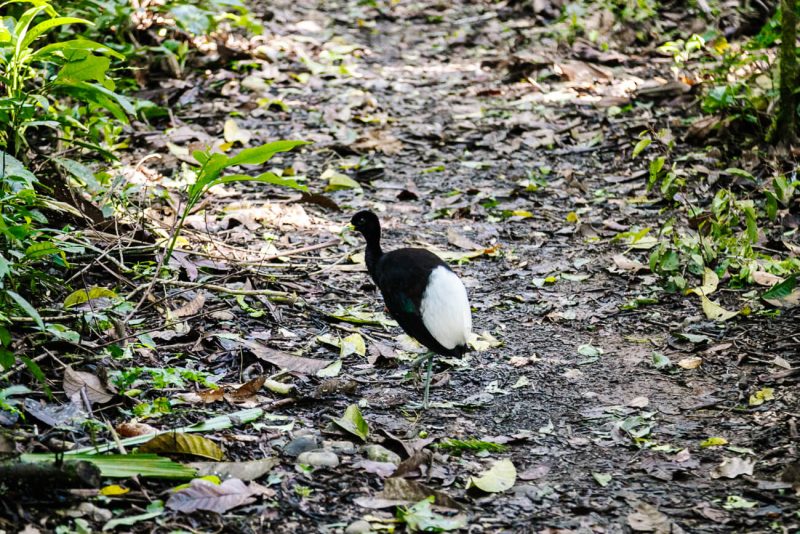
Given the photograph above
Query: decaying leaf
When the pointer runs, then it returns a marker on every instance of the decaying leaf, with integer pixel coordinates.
(297, 364)
(422, 518)
(647, 518)
(759, 397)
(500, 477)
(404, 490)
(78, 383)
(733, 467)
(204, 495)
(180, 443)
(692, 362)
(785, 294)
(191, 308)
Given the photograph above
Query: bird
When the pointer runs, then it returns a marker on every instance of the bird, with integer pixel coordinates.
(421, 292)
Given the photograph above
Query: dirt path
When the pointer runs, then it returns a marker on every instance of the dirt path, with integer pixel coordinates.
(422, 104)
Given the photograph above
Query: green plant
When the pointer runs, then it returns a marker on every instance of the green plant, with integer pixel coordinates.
(208, 174)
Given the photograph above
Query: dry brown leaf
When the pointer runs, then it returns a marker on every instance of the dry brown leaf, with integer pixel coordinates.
(460, 241)
(76, 381)
(297, 364)
(192, 307)
(133, 428)
(764, 278)
(690, 363)
(733, 467)
(246, 391)
(626, 264)
(204, 495)
(378, 140)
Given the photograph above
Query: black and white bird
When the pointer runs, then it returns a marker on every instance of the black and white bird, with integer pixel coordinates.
(421, 292)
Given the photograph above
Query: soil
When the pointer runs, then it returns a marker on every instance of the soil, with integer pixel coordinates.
(469, 123)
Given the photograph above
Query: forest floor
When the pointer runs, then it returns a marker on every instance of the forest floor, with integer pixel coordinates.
(474, 131)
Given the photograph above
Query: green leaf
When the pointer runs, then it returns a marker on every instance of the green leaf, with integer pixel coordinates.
(26, 307)
(786, 294)
(14, 168)
(353, 422)
(36, 371)
(602, 478)
(192, 19)
(41, 249)
(267, 178)
(710, 283)
(640, 146)
(42, 27)
(260, 154)
(7, 358)
(590, 351)
(660, 361)
(79, 171)
(422, 518)
(125, 465)
(67, 48)
(713, 442)
(500, 477)
(337, 181)
(80, 296)
(734, 502)
(89, 68)
(154, 509)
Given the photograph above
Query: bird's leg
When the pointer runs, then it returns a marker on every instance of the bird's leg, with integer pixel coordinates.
(427, 382)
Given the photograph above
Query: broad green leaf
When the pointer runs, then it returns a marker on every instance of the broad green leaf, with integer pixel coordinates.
(710, 283)
(715, 312)
(41, 249)
(640, 146)
(76, 45)
(26, 307)
(14, 168)
(422, 518)
(42, 27)
(500, 477)
(353, 422)
(124, 465)
(267, 178)
(179, 443)
(337, 181)
(260, 154)
(80, 296)
(192, 19)
(89, 68)
(79, 171)
(713, 442)
(785, 294)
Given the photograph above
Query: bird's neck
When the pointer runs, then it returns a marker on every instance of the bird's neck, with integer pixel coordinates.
(373, 253)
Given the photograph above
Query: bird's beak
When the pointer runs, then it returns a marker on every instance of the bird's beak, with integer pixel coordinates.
(350, 227)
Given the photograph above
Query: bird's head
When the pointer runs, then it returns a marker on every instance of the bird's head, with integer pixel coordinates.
(366, 223)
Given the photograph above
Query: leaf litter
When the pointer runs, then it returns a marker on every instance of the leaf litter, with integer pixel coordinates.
(483, 130)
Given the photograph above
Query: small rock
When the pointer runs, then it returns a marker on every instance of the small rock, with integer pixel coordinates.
(358, 527)
(378, 453)
(341, 447)
(320, 458)
(300, 445)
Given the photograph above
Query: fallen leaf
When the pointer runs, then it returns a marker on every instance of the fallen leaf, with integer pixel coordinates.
(710, 283)
(759, 397)
(76, 382)
(204, 495)
(733, 467)
(460, 241)
(353, 422)
(246, 391)
(133, 428)
(297, 364)
(191, 308)
(422, 518)
(647, 518)
(785, 294)
(713, 442)
(716, 312)
(232, 133)
(692, 362)
(401, 489)
(180, 443)
(245, 470)
(500, 477)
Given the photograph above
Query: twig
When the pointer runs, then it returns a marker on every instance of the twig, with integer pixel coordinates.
(230, 291)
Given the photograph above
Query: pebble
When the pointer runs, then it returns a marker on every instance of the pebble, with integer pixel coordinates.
(358, 527)
(319, 458)
(378, 453)
(341, 447)
(301, 444)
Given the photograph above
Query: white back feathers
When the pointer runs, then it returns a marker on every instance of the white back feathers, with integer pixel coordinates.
(445, 308)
